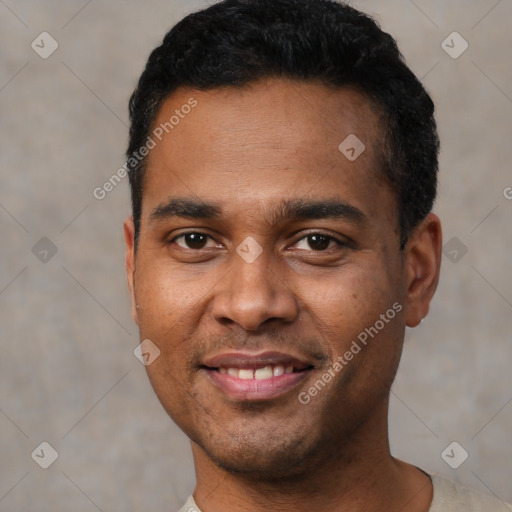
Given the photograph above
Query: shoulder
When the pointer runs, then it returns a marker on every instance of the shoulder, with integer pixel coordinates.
(448, 497)
(189, 506)
(452, 497)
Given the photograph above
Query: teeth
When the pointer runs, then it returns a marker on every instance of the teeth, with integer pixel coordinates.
(234, 372)
(263, 373)
(278, 370)
(246, 374)
(267, 372)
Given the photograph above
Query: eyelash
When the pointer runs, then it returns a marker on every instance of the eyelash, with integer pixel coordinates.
(339, 243)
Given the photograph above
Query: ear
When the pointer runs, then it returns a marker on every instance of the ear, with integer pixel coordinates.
(423, 263)
(129, 238)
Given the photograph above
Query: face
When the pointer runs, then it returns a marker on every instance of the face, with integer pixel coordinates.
(265, 254)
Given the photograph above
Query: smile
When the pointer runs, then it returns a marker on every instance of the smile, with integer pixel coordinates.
(267, 372)
(258, 377)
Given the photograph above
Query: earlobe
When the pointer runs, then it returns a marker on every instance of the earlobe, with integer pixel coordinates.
(423, 262)
(129, 238)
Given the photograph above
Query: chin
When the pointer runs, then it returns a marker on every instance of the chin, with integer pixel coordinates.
(262, 456)
(263, 468)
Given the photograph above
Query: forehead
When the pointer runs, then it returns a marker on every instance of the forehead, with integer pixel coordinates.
(275, 111)
(270, 139)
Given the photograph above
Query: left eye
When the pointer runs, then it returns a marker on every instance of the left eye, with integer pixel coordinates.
(193, 241)
(317, 242)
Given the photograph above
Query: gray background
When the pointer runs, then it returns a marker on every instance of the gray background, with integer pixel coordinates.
(68, 373)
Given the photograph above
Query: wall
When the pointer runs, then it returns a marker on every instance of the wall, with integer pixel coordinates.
(67, 371)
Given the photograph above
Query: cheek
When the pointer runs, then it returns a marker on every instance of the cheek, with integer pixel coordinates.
(344, 304)
(163, 294)
(172, 306)
(359, 315)
(166, 317)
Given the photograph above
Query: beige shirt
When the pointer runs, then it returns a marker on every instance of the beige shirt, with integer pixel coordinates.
(448, 497)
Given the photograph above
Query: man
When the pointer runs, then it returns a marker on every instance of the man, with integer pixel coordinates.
(283, 164)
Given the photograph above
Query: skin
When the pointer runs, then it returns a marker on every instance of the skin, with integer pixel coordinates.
(247, 150)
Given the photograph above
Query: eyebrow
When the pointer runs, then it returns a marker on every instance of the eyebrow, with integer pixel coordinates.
(315, 210)
(187, 208)
(286, 210)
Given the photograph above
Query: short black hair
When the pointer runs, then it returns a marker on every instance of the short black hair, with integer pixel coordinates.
(237, 42)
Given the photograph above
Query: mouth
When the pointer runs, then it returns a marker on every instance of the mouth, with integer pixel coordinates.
(256, 377)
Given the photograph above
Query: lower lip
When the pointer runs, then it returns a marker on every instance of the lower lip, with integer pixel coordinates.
(254, 389)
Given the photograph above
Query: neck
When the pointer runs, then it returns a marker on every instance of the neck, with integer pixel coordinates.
(358, 475)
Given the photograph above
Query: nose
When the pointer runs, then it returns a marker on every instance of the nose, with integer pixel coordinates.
(253, 294)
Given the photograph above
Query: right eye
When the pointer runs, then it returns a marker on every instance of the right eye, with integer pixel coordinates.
(193, 240)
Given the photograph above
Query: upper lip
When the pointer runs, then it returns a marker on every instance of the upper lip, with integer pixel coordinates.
(255, 360)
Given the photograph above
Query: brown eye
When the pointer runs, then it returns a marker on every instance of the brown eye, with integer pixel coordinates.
(196, 240)
(319, 242)
(192, 240)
